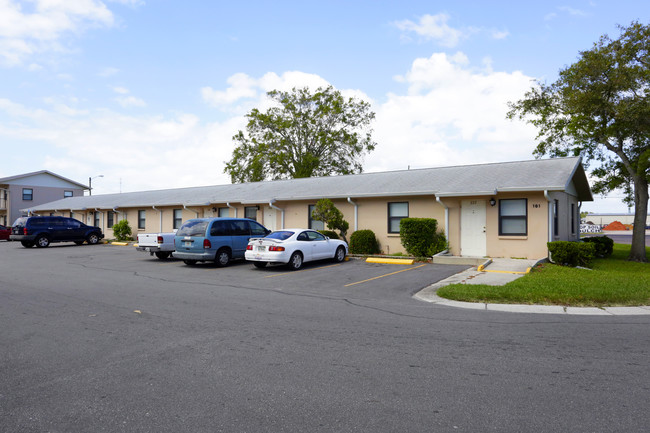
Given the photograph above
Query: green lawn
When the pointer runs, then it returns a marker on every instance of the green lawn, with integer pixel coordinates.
(612, 282)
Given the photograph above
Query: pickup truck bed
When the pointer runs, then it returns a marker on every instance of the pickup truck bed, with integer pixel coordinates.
(160, 244)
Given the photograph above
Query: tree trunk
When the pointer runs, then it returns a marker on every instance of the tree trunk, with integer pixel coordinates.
(637, 252)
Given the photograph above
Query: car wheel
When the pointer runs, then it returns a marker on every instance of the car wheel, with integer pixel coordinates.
(260, 264)
(92, 239)
(339, 256)
(295, 262)
(162, 255)
(79, 242)
(223, 258)
(189, 262)
(42, 242)
(27, 244)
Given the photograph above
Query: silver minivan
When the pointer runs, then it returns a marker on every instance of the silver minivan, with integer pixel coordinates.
(215, 239)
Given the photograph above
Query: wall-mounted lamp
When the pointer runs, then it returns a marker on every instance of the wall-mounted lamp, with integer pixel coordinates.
(214, 209)
(493, 201)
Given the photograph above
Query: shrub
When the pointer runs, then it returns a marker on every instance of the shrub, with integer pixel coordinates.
(122, 230)
(420, 237)
(364, 242)
(332, 217)
(604, 245)
(329, 233)
(572, 253)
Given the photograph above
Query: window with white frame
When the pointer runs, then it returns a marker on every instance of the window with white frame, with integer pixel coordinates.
(178, 218)
(28, 194)
(556, 219)
(67, 194)
(513, 217)
(250, 212)
(142, 219)
(224, 212)
(110, 219)
(396, 212)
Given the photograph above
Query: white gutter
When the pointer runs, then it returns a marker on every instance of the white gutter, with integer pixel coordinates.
(446, 217)
(549, 216)
(160, 213)
(232, 207)
(272, 206)
(356, 213)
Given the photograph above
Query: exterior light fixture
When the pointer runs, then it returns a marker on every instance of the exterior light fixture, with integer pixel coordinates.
(493, 201)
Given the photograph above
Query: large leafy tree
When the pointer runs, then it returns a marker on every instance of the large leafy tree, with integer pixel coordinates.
(600, 107)
(305, 134)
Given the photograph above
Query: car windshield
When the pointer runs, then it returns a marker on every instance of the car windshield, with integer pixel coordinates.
(280, 235)
(193, 228)
(20, 222)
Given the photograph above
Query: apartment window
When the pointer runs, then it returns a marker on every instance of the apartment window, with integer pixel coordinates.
(67, 194)
(250, 212)
(573, 218)
(396, 212)
(96, 219)
(142, 219)
(224, 212)
(314, 224)
(556, 221)
(513, 217)
(28, 194)
(110, 219)
(178, 218)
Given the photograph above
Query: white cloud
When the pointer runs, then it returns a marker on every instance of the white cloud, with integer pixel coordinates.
(23, 34)
(121, 90)
(108, 72)
(572, 11)
(500, 34)
(130, 101)
(451, 114)
(433, 27)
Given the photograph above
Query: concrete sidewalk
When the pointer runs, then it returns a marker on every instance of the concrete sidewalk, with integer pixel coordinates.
(498, 272)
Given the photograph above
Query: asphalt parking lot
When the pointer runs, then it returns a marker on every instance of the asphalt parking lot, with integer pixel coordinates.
(105, 338)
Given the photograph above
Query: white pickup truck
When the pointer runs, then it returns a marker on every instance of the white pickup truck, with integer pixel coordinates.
(160, 244)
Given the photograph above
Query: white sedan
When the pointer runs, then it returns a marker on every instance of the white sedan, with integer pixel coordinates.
(294, 247)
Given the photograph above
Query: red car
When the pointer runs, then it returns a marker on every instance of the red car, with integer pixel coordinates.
(4, 232)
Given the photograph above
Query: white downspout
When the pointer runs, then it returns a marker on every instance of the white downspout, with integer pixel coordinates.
(191, 210)
(446, 217)
(160, 213)
(550, 216)
(232, 207)
(272, 206)
(356, 214)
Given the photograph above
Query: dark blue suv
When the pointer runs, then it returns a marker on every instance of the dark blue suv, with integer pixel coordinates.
(43, 230)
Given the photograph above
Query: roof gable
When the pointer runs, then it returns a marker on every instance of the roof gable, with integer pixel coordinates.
(42, 178)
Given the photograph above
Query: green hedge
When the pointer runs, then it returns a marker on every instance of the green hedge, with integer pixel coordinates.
(330, 234)
(604, 245)
(364, 242)
(420, 236)
(572, 253)
(122, 230)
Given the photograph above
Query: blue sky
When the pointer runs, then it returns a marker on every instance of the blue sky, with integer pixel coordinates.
(149, 93)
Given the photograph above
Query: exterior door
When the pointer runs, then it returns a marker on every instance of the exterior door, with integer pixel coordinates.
(270, 218)
(473, 240)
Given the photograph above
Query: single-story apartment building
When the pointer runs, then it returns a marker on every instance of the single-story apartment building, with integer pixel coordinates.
(32, 189)
(508, 209)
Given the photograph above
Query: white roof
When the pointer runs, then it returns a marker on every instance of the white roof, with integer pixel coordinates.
(554, 174)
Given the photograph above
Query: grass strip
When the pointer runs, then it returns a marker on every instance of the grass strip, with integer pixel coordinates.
(613, 281)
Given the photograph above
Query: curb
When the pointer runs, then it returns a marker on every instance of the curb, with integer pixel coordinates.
(389, 261)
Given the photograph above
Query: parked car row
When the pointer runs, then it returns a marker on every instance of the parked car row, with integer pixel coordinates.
(222, 239)
(218, 240)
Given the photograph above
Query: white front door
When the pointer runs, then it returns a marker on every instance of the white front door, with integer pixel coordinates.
(473, 241)
(270, 218)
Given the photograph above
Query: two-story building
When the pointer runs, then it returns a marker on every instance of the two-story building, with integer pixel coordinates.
(27, 190)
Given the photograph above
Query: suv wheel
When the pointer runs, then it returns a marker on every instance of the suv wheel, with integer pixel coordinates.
(223, 257)
(92, 239)
(42, 241)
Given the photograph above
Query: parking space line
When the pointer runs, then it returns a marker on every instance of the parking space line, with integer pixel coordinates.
(304, 270)
(385, 275)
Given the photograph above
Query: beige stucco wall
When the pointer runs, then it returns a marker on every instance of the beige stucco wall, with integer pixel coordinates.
(373, 215)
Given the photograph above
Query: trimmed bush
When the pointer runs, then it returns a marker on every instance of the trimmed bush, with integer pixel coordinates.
(420, 238)
(122, 230)
(604, 245)
(329, 233)
(571, 253)
(364, 242)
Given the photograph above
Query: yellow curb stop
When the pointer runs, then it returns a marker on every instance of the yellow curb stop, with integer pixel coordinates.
(389, 261)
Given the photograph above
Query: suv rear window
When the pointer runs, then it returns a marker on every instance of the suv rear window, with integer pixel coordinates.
(193, 228)
(20, 222)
